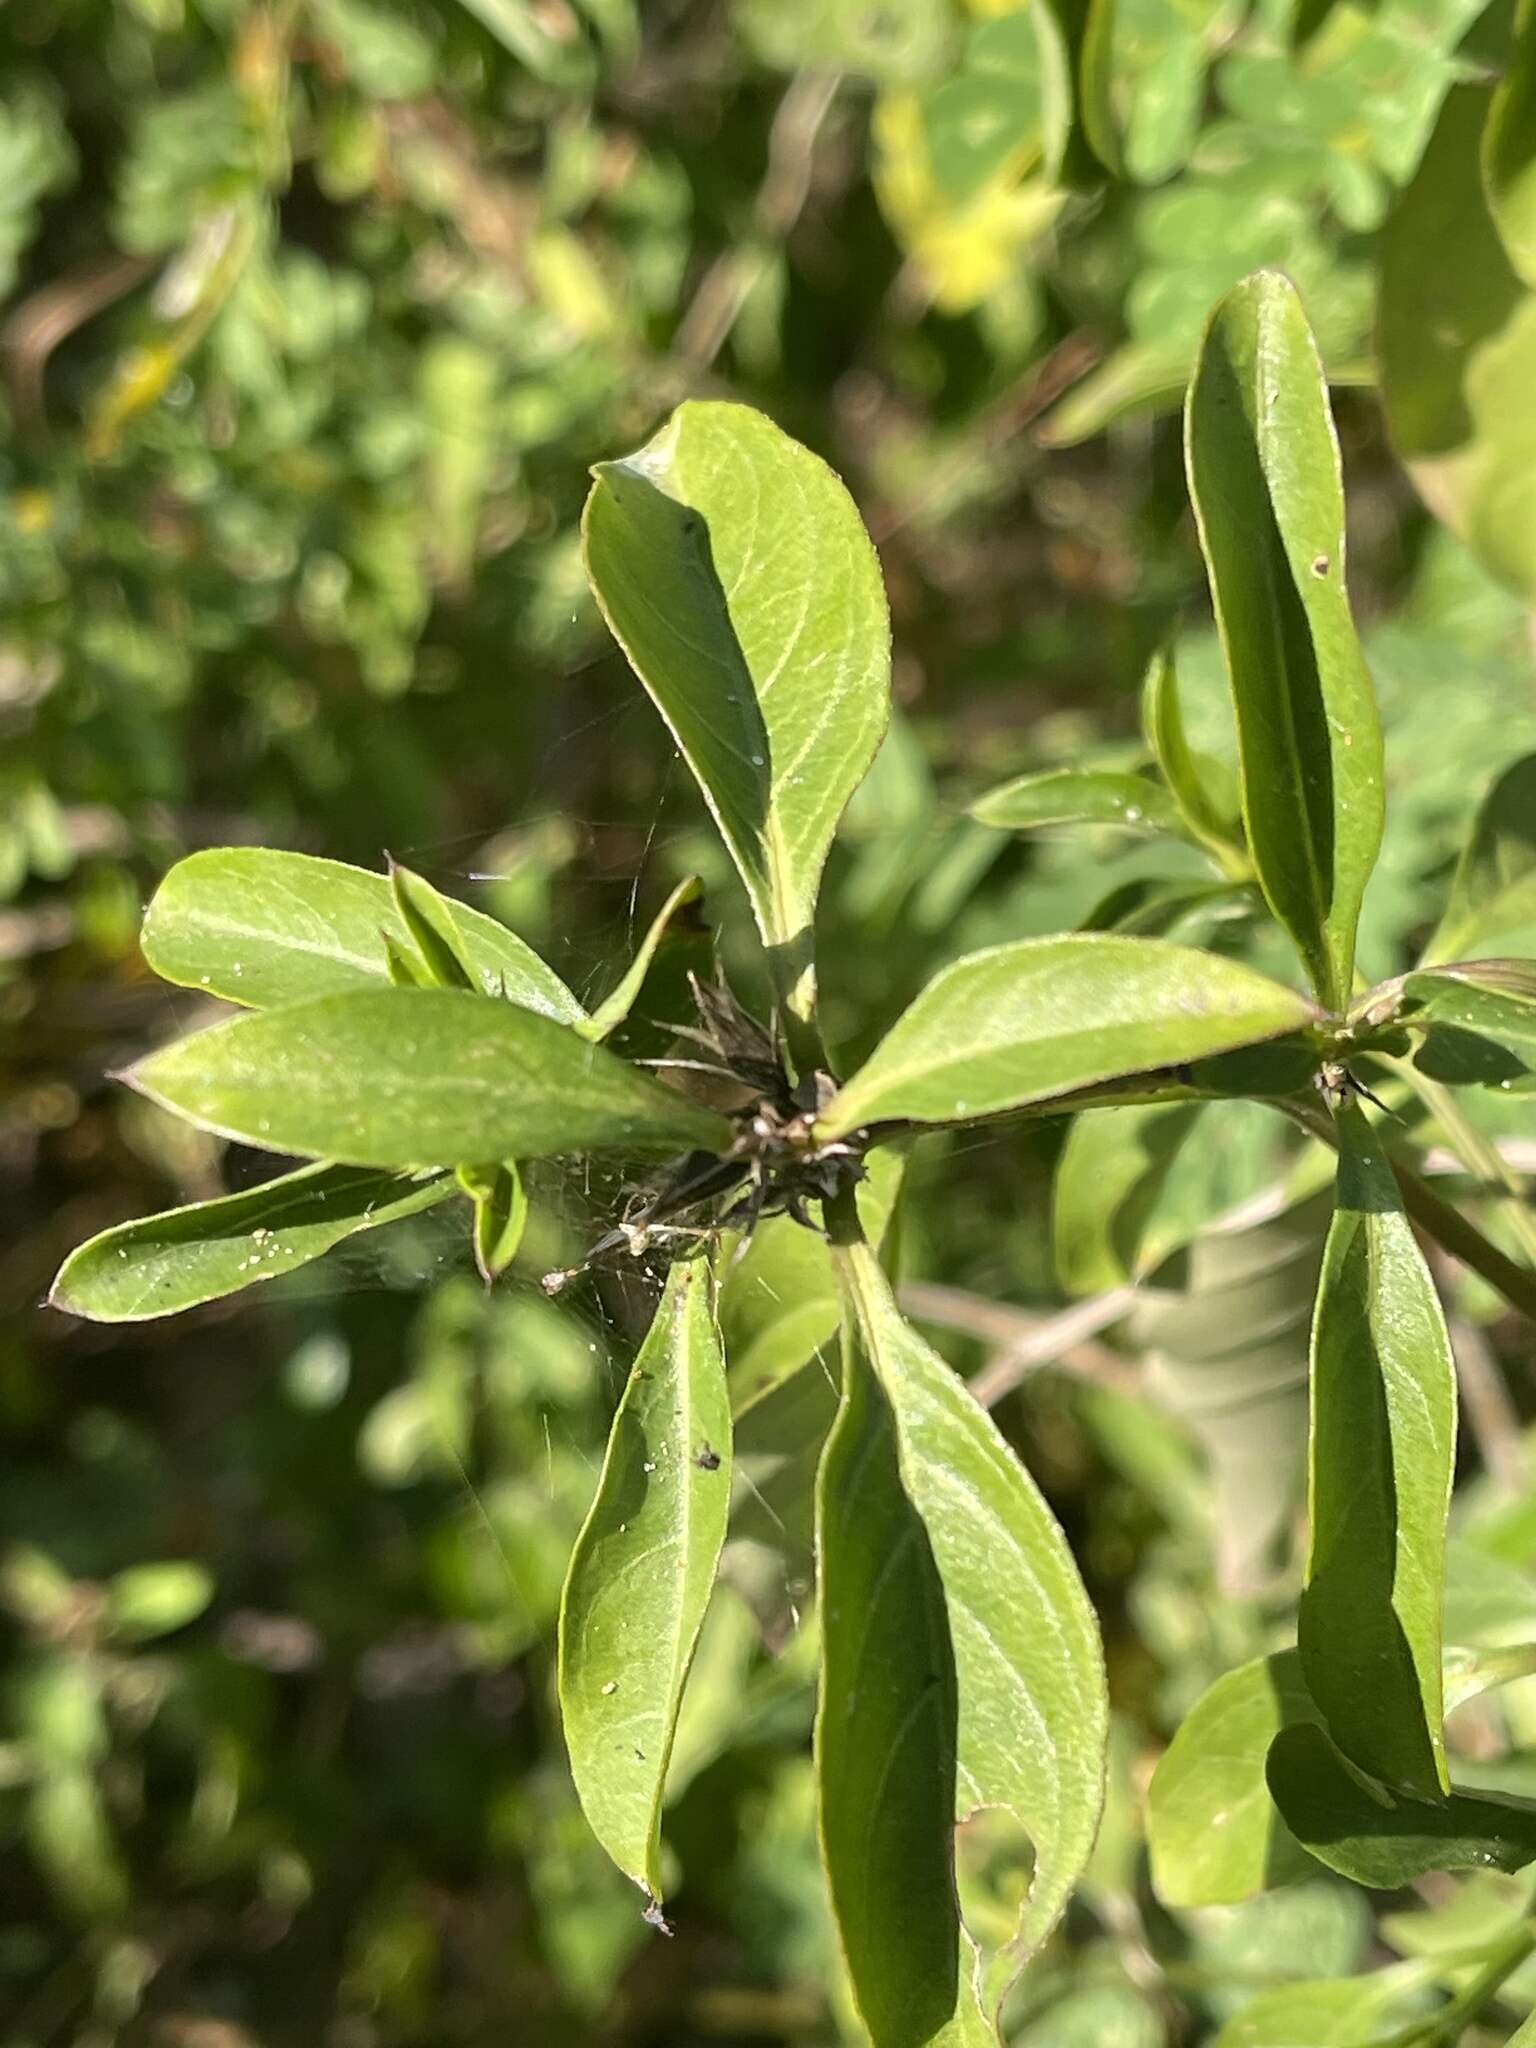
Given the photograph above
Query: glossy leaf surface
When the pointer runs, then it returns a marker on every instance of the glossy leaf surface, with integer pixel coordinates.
(418, 1077)
(1264, 476)
(160, 1265)
(261, 927)
(1027, 1022)
(641, 1573)
(1381, 1838)
(1031, 1715)
(1477, 1030)
(736, 574)
(1213, 1830)
(1071, 797)
(1383, 1448)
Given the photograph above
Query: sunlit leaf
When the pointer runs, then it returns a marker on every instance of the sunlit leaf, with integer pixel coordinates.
(1327, 2012)
(501, 1214)
(1067, 796)
(149, 1600)
(1030, 1712)
(1213, 1831)
(1383, 1448)
(736, 574)
(1031, 1021)
(1264, 476)
(418, 1077)
(430, 920)
(641, 1573)
(1383, 1838)
(159, 1265)
(1476, 1031)
(262, 927)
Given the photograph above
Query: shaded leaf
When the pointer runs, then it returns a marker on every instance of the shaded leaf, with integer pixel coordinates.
(886, 1762)
(429, 919)
(1382, 1838)
(734, 571)
(641, 1573)
(1476, 1030)
(418, 1077)
(1264, 476)
(1213, 1830)
(1509, 149)
(1067, 796)
(160, 1265)
(1191, 782)
(501, 1214)
(261, 927)
(1031, 1713)
(1493, 891)
(1383, 1447)
(615, 1007)
(1034, 1020)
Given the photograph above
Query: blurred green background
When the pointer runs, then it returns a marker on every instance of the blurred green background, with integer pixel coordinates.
(315, 316)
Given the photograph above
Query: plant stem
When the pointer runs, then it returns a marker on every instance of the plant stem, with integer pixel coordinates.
(1444, 2028)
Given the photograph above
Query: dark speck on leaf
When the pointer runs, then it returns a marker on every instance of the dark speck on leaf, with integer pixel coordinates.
(1319, 565)
(707, 1458)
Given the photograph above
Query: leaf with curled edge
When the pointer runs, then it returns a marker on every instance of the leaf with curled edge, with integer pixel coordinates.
(733, 569)
(1030, 1715)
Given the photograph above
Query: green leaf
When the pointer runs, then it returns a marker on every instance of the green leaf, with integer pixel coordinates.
(1213, 1831)
(1067, 796)
(615, 1007)
(1476, 1031)
(886, 1761)
(1206, 820)
(641, 1573)
(735, 573)
(1328, 2012)
(1031, 1715)
(160, 1265)
(1382, 1838)
(418, 1077)
(1509, 149)
(1383, 1448)
(149, 1600)
(1264, 476)
(429, 919)
(1031, 1021)
(501, 1214)
(261, 927)
(1493, 892)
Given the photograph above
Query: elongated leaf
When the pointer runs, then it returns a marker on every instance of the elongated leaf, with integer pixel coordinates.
(1383, 1447)
(615, 1007)
(160, 1265)
(734, 571)
(1031, 1714)
(641, 1573)
(1027, 1022)
(886, 1764)
(1066, 796)
(501, 1214)
(1493, 892)
(1190, 784)
(1381, 1838)
(1509, 149)
(1264, 476)
(430, 920)
(1214, 1833)
(418, 1077)
(261, 927)
(1476, 1031)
